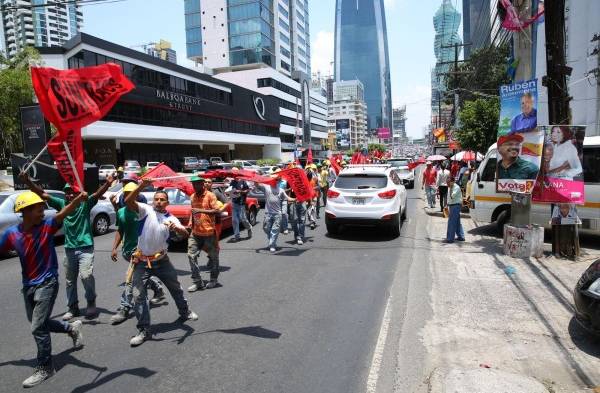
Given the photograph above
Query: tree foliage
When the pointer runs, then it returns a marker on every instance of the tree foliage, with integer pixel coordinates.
(377, 147)
(15, 90)
(479, 124)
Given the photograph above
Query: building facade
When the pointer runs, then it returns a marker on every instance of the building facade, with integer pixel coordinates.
(162, 49)
(347, 115)
(476, 25)
(361, 52)
(172, 112)
(235, 34)
(38, 23)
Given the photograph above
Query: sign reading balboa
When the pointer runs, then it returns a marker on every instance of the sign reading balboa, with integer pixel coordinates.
(177, 100)
(259, 107)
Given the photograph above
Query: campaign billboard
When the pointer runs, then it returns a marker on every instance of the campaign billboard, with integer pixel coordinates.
(518, 113)
(342, 133)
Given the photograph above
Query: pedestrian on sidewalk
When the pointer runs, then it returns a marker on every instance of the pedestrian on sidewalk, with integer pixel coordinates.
(205, 208)
(33, 240)
(151, 258)
(274, 197)
(455, 228)
(428, 182)
(127, 234)
(441, 182)
(79, 244)
(298, 220)
(239, 191)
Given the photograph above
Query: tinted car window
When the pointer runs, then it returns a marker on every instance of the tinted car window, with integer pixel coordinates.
(489, 172)
(397, 163)
(360, 181)
(591, 165)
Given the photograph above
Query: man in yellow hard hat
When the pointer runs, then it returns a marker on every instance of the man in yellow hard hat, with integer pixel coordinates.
(33, 240)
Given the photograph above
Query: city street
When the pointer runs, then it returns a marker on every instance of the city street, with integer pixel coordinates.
(305, 319)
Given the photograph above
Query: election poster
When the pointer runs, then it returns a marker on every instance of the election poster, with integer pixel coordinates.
(561, 175)
(342, 133)
(520, 141)
(565, 214)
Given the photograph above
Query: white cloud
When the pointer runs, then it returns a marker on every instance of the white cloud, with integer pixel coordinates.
(322, 52)
(417, 99)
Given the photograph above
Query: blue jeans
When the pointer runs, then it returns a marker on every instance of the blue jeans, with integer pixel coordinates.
(127, 295)
(79, 262)
(284, 216)
(430, 192)
(239, 215)
(39, 301)
(299, 220)
(164, 270)
(454, 225)
(272, 226)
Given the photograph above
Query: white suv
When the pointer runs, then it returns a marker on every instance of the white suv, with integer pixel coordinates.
(366, 195)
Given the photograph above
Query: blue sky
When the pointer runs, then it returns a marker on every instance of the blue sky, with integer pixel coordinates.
(410, 39)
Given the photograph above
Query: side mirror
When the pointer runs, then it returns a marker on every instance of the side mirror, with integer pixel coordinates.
(478, 177)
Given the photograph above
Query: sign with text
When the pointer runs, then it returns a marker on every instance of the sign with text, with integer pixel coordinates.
(33, 129)
(564, 214)
(342, 133)
(518, 113)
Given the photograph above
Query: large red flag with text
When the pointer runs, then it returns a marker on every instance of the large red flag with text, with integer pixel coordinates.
(56, 147)
(298, 182)
(72, 99)
(163, 170)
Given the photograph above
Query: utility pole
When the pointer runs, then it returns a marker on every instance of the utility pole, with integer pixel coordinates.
(565, 238)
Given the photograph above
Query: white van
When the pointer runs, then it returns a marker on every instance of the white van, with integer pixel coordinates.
(488, 206)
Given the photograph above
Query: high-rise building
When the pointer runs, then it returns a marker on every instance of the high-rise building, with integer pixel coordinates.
(446, 22)
(349, 111)
(476, 25)
(399, 122)
(38, 23)
(162, 49)
(361, 52)
(235, 34)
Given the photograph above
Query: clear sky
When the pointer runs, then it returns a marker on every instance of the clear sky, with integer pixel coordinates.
(410, 40)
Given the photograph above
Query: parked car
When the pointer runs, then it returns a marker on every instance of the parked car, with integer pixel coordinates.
(151, 165)
(215, 160)
(131, 167)
(243, 164)
(203, 164)
(106, 170)
(190, 164)
(586, 296)
(180, 206)
(406, 175)
(102, 215)
(366, 195)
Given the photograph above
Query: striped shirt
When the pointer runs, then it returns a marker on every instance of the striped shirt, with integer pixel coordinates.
(35, 248)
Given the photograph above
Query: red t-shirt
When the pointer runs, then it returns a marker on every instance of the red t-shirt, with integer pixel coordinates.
(430, 176)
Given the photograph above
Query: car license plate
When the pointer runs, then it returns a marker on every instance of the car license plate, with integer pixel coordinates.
(358, 201)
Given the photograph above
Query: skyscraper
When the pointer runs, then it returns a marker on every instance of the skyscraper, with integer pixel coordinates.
(361, 52)
(231, 33)
(38, 23)
(476, 24)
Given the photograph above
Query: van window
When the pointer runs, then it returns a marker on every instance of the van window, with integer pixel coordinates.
(489, 172)
(591, 165)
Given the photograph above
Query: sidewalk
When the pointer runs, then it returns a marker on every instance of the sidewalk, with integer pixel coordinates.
(493, 332)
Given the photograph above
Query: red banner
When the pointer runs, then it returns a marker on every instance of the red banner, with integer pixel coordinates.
(163, 170)
(298, 182)
(56, 148)
(335, 164)
(72, 99)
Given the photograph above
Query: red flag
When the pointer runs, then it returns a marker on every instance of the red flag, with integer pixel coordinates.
(298, 182)
(56, 148)
(334, 163)
(163, 170)
(309, 156)
(72, 99)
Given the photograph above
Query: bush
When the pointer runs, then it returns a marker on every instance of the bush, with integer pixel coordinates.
(268, 162)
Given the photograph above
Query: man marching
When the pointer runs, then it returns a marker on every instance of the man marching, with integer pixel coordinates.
(33, 240)
(151, 258)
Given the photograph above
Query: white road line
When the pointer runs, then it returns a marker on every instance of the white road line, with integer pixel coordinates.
(378, 354)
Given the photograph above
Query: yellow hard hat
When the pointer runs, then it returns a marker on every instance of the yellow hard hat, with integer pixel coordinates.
(25, 199)
(120, 169)
(129, 187)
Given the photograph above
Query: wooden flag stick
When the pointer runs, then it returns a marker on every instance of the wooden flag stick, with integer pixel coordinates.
(73, 166)
(35, 159)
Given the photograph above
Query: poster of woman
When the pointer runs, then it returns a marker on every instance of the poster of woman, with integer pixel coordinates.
(561, 177)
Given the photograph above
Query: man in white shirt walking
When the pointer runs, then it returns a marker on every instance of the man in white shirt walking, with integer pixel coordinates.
(156, 225)
(442, 178)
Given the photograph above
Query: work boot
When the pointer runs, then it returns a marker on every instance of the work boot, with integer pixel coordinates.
(191, 316)
(120, 317)
(249, 233)
(197, 286)
(72, 313)
(91, 311)
(40, 374)
(213, 283)
(139, 338)
(158, 297)
(76, 334)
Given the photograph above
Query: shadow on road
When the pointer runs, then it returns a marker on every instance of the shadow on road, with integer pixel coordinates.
(141, 372)
(254, 331)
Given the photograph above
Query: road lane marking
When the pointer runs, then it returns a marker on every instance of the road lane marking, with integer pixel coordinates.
(379, 348)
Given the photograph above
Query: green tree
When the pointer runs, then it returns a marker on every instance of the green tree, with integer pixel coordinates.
(15, 90)
(479, 124)
(377, 147)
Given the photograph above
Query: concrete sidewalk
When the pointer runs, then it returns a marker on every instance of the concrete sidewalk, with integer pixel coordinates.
(494, 332)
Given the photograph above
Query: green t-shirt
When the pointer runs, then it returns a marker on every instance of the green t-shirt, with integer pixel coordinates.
(127, 224)
(77, 225)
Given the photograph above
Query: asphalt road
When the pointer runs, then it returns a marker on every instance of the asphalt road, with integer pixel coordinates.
(306, 319)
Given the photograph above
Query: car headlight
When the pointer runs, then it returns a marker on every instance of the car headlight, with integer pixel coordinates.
(594, 289)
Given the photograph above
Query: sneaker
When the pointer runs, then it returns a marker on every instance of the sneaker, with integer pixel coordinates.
(249, 233)
(460, 239)
(39, 375)
(272, 249)
(300, 242)
(158, 297)
(235, 239)
(197, 286)
(139, 338)
(120, 317)
(76, 334)
(191, 316)
(71, 314)
(313, 226)
(91, 310)
(286, 232)
(212, 284)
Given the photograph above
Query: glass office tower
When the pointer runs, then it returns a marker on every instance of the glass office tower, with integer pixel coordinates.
(361, 52)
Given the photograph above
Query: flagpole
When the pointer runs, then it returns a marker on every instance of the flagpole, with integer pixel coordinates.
(35, 159)
(73, 166)
(171, 177)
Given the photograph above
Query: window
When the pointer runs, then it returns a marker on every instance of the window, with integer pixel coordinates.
(284, 25)
(283, 11)
(489, 172)
(285, 52)
(361, 182)
(591, 165)
(284, 38)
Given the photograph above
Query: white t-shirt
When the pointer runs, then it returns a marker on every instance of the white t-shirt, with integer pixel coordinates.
(565, 152)
(442, 177)
(153, 231)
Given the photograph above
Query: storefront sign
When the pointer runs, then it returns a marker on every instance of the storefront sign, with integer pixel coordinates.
(33, 129)
(177, 100)
(342, 133)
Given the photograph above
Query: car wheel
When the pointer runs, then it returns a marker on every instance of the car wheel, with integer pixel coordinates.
(403, 216)
(395, 226)
(332, 228)
(252, 213)
(411, 185)
(101, 224)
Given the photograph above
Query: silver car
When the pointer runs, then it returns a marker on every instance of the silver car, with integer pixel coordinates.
(102, 215)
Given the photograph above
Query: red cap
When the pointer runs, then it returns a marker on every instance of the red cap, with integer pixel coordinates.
(506, 138)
